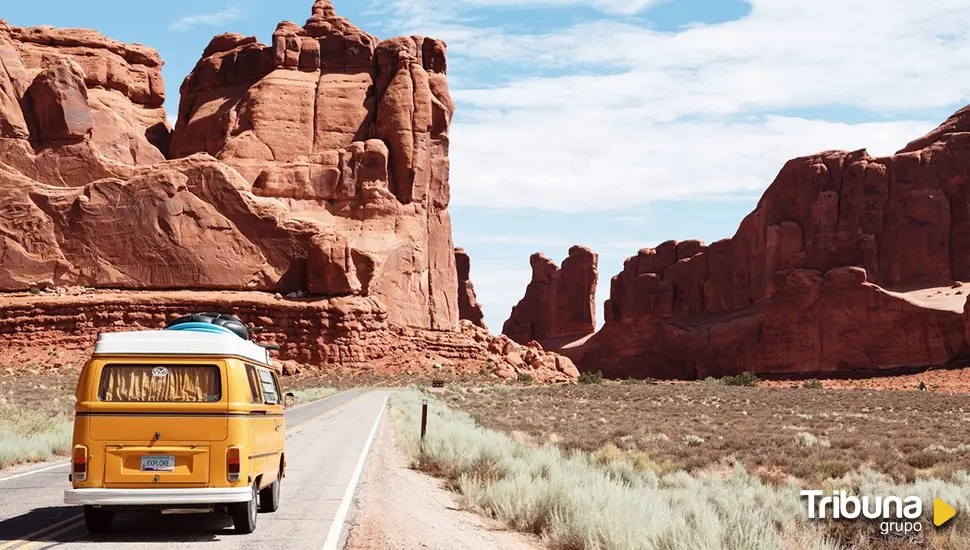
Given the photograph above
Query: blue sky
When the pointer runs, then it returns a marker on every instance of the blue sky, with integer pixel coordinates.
(617, 124)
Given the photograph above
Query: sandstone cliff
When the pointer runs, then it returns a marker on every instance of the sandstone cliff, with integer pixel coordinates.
(305, 189)
(318, 163)
(559, 302)
(828, 274)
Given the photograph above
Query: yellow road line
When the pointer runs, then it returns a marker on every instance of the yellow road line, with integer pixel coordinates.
(41, 531)
(30, 544)
(49, 536)
(324, 415)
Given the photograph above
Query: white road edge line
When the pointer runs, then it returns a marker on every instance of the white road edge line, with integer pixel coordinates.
(37, 471)
(333, 537)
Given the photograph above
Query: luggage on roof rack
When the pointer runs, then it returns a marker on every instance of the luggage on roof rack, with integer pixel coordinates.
(210, 322)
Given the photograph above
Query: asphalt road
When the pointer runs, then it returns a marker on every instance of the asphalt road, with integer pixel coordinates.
(326, 445)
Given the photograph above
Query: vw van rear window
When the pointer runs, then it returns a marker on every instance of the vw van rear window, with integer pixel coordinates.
(160, 384)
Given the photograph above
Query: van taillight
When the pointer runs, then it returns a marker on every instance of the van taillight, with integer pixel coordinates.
(80, 467)
(233, 463)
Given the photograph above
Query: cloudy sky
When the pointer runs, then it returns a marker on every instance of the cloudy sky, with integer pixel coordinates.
(617, 124)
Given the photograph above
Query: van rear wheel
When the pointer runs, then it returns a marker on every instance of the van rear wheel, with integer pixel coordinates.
(269, 498)
(97, 520)
(244, 514)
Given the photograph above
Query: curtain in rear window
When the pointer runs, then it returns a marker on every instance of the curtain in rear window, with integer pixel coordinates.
(160, 384)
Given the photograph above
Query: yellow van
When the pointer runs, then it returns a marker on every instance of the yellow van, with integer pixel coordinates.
(184, 419)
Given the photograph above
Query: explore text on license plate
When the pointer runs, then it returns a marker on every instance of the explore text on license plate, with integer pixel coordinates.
(158, 463)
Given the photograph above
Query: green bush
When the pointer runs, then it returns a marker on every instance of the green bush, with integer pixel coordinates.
(812, 384)
(525, 378)
(744, 379)
(591, 377)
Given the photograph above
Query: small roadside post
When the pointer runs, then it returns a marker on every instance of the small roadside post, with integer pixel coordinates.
(424, 420)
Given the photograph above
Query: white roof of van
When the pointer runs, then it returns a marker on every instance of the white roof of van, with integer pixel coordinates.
(172, 342)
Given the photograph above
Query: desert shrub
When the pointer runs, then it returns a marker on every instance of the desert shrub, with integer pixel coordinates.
(710, 380)
(582, 501)
(692, 440)
(812, 384)
(744, 379)
(525, 378)
(591, 377)
(28, 435)
(806, 439)
(308, 395)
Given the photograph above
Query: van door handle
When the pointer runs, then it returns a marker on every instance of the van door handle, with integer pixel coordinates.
(278, 427)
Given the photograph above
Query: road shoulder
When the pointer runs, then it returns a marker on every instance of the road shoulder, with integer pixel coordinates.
(398, 508)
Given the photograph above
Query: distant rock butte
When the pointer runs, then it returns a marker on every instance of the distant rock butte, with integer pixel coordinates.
(802, 286)
(559, 302)
(468, 307)
(315, 165)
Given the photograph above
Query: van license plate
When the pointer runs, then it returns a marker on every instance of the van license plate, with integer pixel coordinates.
(158, 463)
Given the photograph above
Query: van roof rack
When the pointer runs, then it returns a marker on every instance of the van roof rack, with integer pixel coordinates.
(207, 321)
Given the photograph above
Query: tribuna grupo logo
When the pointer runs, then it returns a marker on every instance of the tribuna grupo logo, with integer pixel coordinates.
(898, 514)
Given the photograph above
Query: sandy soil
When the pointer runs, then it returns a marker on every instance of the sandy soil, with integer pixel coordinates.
(944, 298)
(400, 509)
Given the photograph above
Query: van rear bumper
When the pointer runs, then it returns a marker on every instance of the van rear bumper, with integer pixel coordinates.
(157, 497)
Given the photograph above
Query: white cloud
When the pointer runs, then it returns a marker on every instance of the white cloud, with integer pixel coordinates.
(571, 162)
(206, 19)
(462, 239)
(440, 15)
(704, 111)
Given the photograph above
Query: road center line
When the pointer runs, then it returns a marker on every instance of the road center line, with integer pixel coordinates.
(325, 415)
(333, 536)
(24, 539)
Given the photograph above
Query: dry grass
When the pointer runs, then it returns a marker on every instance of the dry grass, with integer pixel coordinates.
(615, 499)
(308, 395)
(36, 417)
(775, 433)
(368, 379)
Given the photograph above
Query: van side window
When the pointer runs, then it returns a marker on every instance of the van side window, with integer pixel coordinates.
(255, 396)
(270, 394)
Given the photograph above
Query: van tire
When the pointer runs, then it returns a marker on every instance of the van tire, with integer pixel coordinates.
(244, 514)
(97, 520)
(269, 498)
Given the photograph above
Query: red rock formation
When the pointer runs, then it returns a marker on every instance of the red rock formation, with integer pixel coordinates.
(122, 89)
(558, 302)
(318, 163)
(345, 333)
(468, 307)
(795, 290)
